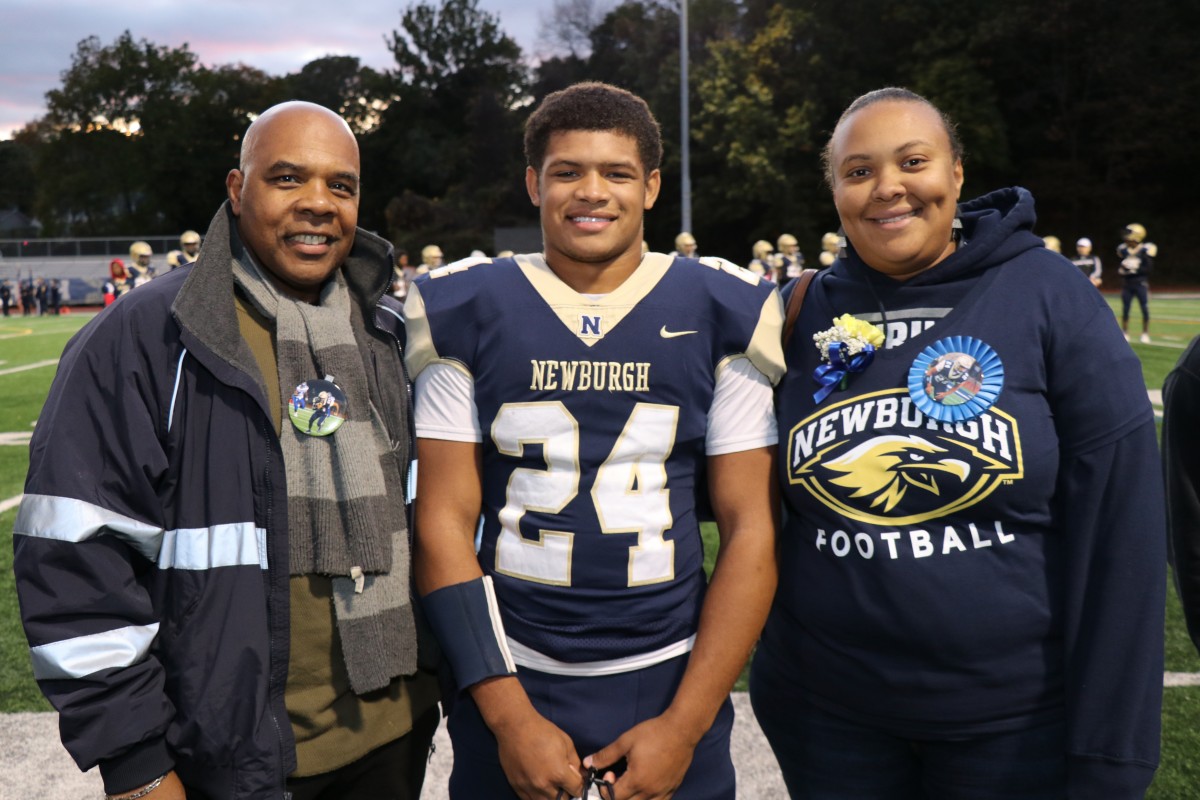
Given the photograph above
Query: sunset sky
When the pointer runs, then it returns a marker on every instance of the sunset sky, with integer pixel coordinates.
(38, 37)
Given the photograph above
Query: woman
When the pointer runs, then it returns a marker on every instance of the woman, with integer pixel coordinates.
(972, 570)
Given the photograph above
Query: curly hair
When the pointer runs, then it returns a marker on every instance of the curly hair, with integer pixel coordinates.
(594, 106)
(878, 96)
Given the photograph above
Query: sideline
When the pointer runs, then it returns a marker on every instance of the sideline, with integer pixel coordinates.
(33, 757)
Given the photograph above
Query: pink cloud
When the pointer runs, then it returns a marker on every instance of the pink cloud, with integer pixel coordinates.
(276, 37)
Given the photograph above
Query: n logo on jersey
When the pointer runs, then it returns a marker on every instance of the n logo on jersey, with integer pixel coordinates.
(877, 459)
(589, 326)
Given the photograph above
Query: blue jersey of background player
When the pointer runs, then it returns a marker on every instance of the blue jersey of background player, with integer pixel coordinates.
(1135, 262)
(580, 401)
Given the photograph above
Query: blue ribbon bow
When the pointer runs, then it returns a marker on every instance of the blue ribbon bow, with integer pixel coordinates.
(839, 367)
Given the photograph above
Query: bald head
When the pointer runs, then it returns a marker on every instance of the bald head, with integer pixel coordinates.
(295, 194)
(283, 112)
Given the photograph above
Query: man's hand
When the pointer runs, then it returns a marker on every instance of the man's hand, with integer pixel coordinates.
(538, 758)
(658, 754)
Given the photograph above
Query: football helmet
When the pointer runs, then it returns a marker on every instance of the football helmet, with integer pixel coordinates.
(140, 252)
(431, 255)
(1134, 233)
(685, 244)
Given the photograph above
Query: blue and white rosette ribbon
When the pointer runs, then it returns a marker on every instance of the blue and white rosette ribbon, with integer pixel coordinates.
(965, 402)
(840, 365)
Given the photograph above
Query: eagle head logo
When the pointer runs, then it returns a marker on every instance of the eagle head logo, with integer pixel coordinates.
(883, 469)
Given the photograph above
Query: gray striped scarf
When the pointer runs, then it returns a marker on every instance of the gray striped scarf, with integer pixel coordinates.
(342, 520)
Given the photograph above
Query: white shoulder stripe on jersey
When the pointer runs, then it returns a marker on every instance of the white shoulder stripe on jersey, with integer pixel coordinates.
(532, 659)
(69, 520)
(765, 349)
(87, 655)
(420, 350)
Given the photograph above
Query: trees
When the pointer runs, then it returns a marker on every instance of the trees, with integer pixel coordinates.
(1089, 103)
(18, 181)
(193, 145)
(95, 173)
(762, 129)
(358, 93)
(112, 86)
(445, 161)
(567, 29)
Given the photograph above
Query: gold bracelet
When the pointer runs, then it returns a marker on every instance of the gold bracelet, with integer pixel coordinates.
(142, 792)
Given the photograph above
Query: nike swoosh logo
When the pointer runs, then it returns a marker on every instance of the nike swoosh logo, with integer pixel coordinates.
(666, 334)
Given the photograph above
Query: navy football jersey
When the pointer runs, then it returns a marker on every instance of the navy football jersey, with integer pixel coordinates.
(594, 414)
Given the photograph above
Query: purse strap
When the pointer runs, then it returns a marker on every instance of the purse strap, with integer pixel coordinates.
(795, 301)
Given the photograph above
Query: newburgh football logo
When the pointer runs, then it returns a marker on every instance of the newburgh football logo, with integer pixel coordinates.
(877, 459)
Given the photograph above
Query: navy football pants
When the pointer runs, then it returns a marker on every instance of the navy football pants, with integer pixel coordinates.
(593, 711)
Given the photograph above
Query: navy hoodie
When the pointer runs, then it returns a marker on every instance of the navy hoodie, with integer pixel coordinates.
(954, 579)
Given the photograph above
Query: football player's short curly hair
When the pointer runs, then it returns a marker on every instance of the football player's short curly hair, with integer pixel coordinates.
(594, 106)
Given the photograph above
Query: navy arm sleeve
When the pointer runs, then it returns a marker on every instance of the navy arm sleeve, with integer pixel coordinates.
(1111, 500)
(1109, 508)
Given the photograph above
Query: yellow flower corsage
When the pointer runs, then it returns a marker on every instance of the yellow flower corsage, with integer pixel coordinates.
(849, 346)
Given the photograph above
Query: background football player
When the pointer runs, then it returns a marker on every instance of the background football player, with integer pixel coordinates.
(1136, 257)
(830, 244)
(189, 242)
(1087, 261)
(685, 245)
(763, 261)
(789, 260)
(139, 267)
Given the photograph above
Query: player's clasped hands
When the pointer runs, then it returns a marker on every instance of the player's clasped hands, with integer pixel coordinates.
(657, 755)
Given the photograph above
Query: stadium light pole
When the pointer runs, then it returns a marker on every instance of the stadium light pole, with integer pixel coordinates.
(684, 137)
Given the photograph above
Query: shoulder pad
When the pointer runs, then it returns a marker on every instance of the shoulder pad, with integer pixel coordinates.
(459, 266)
(728, 266)
(1152, 249)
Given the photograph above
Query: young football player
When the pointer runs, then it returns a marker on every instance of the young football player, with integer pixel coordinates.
(1136, 261)
(579, 407)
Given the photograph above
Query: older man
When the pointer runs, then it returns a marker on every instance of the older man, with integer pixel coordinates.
(215, 601)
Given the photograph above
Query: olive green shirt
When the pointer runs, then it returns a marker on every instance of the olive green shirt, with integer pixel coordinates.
(333, 726)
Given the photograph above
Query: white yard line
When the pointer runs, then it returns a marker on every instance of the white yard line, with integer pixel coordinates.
(26, 367)
(1181, 679)
(23, 334)
(11, 502)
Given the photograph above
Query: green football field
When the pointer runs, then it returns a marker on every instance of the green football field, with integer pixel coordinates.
(29, 351)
